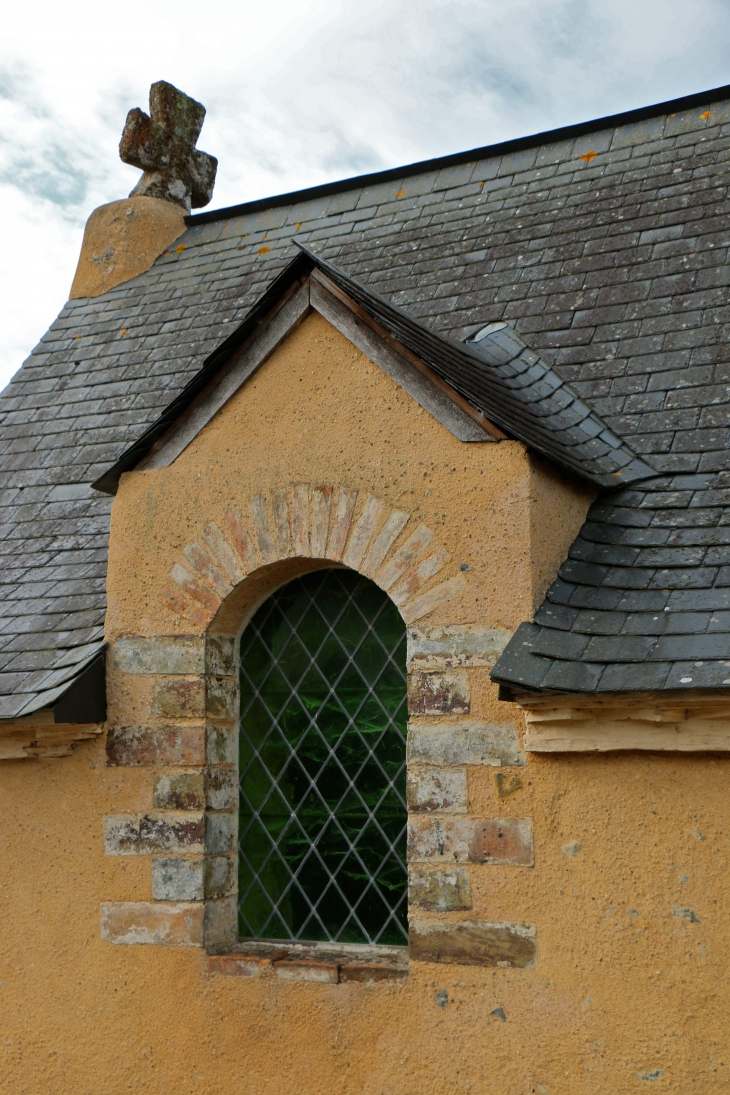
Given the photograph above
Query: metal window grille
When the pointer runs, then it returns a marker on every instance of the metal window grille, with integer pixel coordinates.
(322, 834)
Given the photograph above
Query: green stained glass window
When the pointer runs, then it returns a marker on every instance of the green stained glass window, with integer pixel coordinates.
(322, 852)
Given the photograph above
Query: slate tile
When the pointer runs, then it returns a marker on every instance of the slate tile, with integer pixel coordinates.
(572, 677)
(694, 647)
(556, 616)
(584, 573)
(697, 600)
(565, 645)
(599, 623)
(643, 600)
(517, 664)
(619, 648)
(673, 556)
(644, 677)
(652, 623)
(691, 675)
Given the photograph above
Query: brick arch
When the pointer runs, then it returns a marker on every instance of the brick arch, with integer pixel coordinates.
(321, 522)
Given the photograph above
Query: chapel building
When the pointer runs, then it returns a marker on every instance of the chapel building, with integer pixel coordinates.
(365, 628)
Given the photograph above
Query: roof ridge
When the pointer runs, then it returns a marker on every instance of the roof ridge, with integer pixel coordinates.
(453, 159)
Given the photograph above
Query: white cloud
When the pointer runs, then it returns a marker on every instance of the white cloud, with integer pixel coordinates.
(303, 91)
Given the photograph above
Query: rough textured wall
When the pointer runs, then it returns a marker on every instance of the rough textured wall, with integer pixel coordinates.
(557, 511)
(627, 893)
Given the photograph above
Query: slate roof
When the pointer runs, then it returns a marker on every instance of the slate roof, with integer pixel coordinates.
(605, 246)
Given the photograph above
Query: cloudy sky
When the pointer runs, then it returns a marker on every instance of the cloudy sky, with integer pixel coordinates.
(301, 92)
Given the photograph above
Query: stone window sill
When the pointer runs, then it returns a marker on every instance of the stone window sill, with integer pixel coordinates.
(323, 963)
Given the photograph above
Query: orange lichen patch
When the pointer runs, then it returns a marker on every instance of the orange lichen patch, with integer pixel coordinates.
(588, 156)
(400, 193)
(123, 331)
(481, 185)
(298, 225)
(181, 247)
(263, 250)
(705, 116)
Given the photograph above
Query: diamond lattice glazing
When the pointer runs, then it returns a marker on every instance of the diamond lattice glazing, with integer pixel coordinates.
(322, 757)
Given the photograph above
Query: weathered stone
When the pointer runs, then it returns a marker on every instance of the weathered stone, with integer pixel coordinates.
(179, 791)
(282, 538)
(469, 645)
(188, 879)
(207, 566)
(183, 654)
(339, 526)
(433, 598)
(471, 840)
(182, 698)
(322, 972)
(464, 743)
(407, 587)
(439, 693)
(219, 832)
(146, 746)
(224, 555)
(473, 943)
(370, 973)
(319, 521)
(162, 145)
(404, 557)
(181, 604)
(145, 834)
(392, 528)
(260, 523)
(241, 540)
(220, 923)
(441, 891)
(444, 790)
(172, 925)
(238, 965)
(220, 744)
(197, 590)
(299, 520)
(221, 697)
(220, 875)
(221, 789)
(220, 656)
(178, 879)
(362, 532)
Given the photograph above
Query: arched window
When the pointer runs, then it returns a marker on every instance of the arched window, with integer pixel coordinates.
(322, 836)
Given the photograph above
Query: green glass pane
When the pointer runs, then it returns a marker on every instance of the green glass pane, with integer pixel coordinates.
(293, 662)
(322, 752)
(255, 723)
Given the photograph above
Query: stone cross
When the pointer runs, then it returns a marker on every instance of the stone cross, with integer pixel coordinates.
(162, 144)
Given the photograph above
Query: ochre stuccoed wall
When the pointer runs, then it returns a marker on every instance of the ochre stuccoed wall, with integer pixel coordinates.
(628, 892)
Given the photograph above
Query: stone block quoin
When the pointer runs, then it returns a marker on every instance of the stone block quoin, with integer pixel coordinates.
(189, 745)
(445, 840)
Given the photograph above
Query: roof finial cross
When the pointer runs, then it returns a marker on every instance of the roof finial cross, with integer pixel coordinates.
(162, 144)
